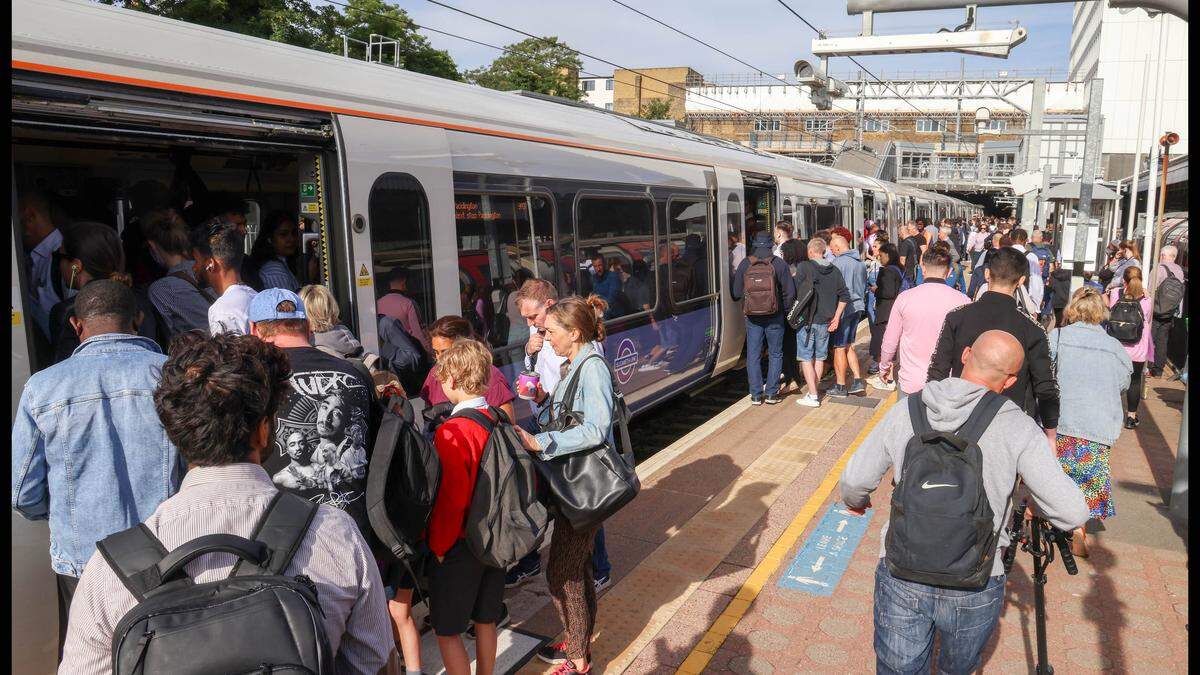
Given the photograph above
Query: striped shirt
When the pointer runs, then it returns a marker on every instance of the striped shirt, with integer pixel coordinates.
(182, 305)
(231, 499)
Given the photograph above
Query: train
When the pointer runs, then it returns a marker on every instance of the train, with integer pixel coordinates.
(463, 191)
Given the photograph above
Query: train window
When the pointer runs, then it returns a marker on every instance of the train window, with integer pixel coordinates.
(615, 250)
(687, 239)
(497, 237)
(737, 240)
(400, 239)
(786, 212)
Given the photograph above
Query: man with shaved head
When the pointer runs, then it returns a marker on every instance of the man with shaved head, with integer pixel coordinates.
(1012, 446)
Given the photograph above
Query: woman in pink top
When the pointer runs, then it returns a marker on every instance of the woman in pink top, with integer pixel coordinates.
(1131, 289)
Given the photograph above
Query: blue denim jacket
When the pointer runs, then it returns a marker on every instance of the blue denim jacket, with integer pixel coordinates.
(88, 451)
(594, 403)
(1093, 371)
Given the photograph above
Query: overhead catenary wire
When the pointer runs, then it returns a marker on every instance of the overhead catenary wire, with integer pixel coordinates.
(821, 35)
(481, 43)
(617, 66)
(753, 67)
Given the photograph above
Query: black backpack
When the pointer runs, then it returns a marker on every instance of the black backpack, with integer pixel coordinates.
(941, 531)
(506, 520)
(1125, 321)
(1168, 296)
(255, 620)
(402, 483)
(801, 311)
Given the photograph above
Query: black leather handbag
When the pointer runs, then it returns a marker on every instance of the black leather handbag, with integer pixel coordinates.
(587, 486)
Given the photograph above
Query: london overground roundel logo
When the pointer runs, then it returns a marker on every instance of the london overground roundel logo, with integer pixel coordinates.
(626, 362)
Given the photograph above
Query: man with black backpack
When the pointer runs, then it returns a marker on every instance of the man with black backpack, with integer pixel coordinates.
(1169, 291)
(764, 284)
(962, 447)
(301, 591)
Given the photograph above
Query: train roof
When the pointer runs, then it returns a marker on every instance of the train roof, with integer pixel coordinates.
(84, 39)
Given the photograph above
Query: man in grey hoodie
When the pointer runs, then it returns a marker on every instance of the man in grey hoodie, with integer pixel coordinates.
(906, 612)
(854, 273)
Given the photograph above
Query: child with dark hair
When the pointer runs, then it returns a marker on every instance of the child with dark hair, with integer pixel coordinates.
(217, 249)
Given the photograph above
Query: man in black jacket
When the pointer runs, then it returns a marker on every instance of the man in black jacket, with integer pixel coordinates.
(910, 251)
(770, 328)
(1035, 389)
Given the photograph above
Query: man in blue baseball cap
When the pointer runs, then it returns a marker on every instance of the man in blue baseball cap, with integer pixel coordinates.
(764, 284)
(324, 429)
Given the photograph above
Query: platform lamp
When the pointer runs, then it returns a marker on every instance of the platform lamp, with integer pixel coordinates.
(1166, 141)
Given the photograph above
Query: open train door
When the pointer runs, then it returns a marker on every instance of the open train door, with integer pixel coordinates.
(729, 210)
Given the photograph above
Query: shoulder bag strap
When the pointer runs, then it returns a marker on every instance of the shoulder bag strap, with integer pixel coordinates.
(916, 412)
(134, 555)
(981, 417)
(281, 529)
(572, 387)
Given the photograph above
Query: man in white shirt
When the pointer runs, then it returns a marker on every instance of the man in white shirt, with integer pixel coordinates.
(1020, 239)
(41, 239)
(534, 298)
(217, 248)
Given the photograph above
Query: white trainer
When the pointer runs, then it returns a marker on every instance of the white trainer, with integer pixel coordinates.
(809, 401)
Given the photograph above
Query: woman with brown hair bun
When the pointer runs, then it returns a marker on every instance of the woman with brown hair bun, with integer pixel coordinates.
(1133, 292)
(91, 251)
(574, 330)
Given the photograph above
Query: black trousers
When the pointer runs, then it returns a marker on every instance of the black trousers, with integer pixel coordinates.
(66, 591)
(877, 330)
(1160, 334)
(1133, 397)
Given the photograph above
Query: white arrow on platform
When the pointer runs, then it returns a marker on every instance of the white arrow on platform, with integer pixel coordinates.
(816, 567)
(806, 580)
(842, 525)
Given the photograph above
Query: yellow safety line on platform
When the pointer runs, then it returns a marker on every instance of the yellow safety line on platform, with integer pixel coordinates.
(716, 634)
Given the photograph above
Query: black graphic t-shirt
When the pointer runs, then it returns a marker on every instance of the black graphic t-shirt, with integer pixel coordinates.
(323, 434)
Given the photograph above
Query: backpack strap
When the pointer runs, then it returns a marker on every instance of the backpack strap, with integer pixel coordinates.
(382, 455)
(134, 555)
(916, 413)
(481, 419)
(981, 417)
(281, 529)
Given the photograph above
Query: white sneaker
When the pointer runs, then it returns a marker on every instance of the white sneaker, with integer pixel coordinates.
(878, 383)
(809, 401)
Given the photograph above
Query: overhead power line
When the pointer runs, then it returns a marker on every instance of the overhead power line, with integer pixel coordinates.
(617, 66)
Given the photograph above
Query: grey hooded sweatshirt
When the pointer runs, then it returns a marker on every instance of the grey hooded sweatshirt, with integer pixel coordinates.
(1012, 445)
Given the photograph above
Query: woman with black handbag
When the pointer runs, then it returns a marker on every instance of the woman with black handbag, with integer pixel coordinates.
(586, 476)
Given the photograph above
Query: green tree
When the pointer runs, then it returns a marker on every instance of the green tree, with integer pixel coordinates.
(296, 22)
(543, 65)
(656, 109)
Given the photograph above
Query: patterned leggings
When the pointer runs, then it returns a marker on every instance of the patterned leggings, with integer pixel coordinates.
(568, 574)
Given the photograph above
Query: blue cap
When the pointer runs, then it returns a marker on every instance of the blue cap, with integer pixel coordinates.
(762, 240)
(266, 306)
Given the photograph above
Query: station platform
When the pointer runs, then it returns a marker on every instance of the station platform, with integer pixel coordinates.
(736, 557)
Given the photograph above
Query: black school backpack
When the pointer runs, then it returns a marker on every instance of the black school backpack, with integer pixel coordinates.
(402, 483)
(1168, 296)
(941, 530)
(505, 520)
(1125, 321)
(761, 297)
(254, 621)
(801, 311)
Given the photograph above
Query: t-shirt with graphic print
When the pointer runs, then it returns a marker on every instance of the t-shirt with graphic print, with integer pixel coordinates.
(323, 434)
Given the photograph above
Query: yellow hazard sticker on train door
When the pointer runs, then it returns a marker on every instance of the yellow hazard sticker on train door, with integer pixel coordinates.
(364, 277)
(310, 207)
(16, 318)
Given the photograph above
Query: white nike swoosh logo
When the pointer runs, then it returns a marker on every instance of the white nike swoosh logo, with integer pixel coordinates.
(926, 485)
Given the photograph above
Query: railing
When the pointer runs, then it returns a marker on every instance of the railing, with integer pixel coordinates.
(956, 172)
(788, 141)
(758, 79)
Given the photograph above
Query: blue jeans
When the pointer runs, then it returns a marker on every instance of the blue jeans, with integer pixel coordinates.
(812, 342)
(601, 567)
(907, 613)
(759, 328)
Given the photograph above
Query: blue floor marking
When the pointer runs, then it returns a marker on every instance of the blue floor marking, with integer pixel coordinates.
(826, 553)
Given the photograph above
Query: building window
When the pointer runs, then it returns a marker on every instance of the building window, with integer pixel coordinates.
(608, 106)
(619, 235)
(925, 125)
(874, 125)
(818, 125)
(589, 85)
(608, 84)
(914, 165)
(767, 125)
(995, 125)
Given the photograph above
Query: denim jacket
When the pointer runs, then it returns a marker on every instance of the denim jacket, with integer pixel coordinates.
(594, 403)
(1093, 371)
(88, 451)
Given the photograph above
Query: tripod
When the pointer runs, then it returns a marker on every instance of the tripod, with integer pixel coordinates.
(1038, 538)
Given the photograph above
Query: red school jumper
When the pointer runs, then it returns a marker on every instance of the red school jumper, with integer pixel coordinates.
(459, 443)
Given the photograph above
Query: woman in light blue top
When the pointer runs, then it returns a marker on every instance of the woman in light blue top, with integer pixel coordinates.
(275, 252)
(572, 325)
(1093, 370)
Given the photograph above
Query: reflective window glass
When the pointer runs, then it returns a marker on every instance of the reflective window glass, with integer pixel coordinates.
(400, 241)
(616, 258)
(687, 239)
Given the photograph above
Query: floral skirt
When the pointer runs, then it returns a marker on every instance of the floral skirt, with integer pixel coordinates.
(1086, 462)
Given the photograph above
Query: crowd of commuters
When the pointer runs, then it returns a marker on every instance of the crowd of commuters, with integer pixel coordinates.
(262, 388)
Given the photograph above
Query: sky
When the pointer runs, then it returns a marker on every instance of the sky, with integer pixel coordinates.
(760, 32)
